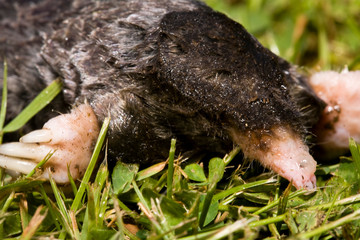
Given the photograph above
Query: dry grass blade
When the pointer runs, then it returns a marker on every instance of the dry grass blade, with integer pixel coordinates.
(34, 223)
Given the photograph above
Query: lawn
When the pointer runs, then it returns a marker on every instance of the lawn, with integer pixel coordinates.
(217, 198)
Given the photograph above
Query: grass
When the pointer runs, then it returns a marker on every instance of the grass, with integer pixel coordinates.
(318, 34)
(214, 198)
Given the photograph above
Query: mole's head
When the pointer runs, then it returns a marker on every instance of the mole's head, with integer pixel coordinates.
(255, 95)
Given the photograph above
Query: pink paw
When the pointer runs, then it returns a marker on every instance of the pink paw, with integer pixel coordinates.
(72, 136)
(341, 117)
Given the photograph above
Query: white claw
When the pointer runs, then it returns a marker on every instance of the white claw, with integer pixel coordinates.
(32, 151)
(16, 164)
(37, 136)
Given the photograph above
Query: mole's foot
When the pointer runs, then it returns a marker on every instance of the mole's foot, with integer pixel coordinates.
(340, 119)
(70, 136)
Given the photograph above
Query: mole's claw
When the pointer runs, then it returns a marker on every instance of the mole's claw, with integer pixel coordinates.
(16, 164)
(37, 136)
(70, 136)
(33, 151)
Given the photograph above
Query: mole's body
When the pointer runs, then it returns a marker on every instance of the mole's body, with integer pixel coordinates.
(161, 70)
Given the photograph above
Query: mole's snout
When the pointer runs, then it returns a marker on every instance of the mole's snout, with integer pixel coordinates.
(283, 151)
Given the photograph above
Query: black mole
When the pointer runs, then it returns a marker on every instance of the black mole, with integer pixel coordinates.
(161, 69)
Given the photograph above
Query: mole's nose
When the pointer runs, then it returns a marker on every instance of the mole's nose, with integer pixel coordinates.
(284, 152)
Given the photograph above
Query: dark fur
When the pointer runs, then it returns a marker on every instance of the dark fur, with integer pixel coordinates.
(160, 69)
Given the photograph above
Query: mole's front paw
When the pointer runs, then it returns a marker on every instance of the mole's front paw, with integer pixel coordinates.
(340, 119)
(72, 136)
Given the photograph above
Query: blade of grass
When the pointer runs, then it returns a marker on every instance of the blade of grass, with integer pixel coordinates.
(4, 209)
(216, 172)
(97, 197)
(150, 171)
(239, 188)
(199, 236)
(76, 203)
(122, 229)
(24, 211)
(101, 177)
(206, 206)
(119, 220)
(8, 202)
(51, 210)
(19, 186)
(170, 174)
(269, 220)
(40, 164)
(125, 208)
(34, 223)
(274, 230)
(276, 202)
(3, 101)
(72, 182)
(342, 202)
(43, 99)
(149, 214)
(90, 208)
(139, 194)
(355, 153)
(229, 157)
(325, 228)
(227, 230)
(103, 204)
(330, 209)
(61, 205)
(172, 229)
(283, 200)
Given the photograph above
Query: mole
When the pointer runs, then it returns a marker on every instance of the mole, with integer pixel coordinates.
(161, 69)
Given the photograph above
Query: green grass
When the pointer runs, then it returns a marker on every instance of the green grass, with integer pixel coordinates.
(204, 201)
(320, 34)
